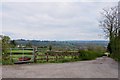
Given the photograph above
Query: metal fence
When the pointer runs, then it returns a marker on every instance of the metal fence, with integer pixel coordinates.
(16, 53)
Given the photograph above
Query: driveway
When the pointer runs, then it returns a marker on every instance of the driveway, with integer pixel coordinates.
(103, 67)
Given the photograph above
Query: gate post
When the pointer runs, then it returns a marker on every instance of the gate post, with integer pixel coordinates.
(35, 55)
(47, 57)
(11, 55)
(56, 56)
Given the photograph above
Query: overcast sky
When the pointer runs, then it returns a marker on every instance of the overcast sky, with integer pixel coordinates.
(52, 20)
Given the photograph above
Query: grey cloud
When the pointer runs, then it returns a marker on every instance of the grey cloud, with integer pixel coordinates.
(52, 21)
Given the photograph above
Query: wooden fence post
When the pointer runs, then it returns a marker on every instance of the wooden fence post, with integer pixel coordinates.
(35, 55)
(11, 55)
(56, 57)
(72, 55)
(47, 57)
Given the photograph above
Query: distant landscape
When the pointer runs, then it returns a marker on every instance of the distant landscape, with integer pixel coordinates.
(68, 45)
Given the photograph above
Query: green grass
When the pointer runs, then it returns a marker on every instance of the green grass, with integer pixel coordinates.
(21, 51)
(18, 56)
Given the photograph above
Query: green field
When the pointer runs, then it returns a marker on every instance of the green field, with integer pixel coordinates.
(21, 51)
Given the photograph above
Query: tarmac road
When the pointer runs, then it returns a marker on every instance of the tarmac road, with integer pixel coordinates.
(103, 67)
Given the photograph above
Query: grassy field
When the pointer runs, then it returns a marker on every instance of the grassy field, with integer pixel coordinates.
(21, 51)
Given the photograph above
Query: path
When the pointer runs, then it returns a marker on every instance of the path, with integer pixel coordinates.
(103, 67)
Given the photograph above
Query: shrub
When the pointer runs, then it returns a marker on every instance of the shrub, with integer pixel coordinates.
(6, 62)
(115, 57)
(89, 55)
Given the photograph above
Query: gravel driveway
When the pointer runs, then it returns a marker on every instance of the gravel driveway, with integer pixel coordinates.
(103, 67)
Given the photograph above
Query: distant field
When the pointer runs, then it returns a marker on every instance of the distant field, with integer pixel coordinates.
(21, 51)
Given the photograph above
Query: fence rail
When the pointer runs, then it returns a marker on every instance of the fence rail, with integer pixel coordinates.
(55, 57)
(35, 56)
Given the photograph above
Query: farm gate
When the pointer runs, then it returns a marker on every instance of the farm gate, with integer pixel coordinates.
(17, 53)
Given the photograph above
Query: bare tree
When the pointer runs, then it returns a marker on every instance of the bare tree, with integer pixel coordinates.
(110, 23)
(119, 18)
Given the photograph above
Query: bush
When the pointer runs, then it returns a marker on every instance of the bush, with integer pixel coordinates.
(89, 55)
(6, 62)
(115, 57)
